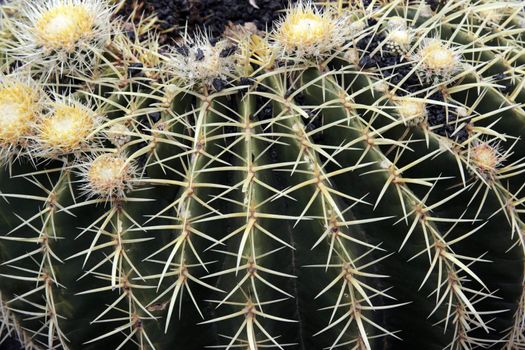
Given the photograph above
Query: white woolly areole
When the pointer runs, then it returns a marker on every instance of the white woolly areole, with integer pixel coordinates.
(400, 36)
(108, 176)
(200, 62)
(485, 157)
(425, 10)
(437, 60)
(412, 111)
(397, 23)
(118, 134)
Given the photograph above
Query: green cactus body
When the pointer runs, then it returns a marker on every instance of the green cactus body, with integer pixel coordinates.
(352, 179)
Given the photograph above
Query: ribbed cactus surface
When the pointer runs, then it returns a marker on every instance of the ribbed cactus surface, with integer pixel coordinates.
(353, 178)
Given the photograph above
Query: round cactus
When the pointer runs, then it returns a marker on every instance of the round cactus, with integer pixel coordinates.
(351, 178)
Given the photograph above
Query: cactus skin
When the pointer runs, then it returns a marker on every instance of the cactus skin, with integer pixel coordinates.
(276, 190)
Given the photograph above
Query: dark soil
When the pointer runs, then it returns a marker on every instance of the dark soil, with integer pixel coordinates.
(10, 343)
(392, 67)
(213, 16)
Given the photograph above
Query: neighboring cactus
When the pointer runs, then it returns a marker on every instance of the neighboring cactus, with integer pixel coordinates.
(352, 179)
